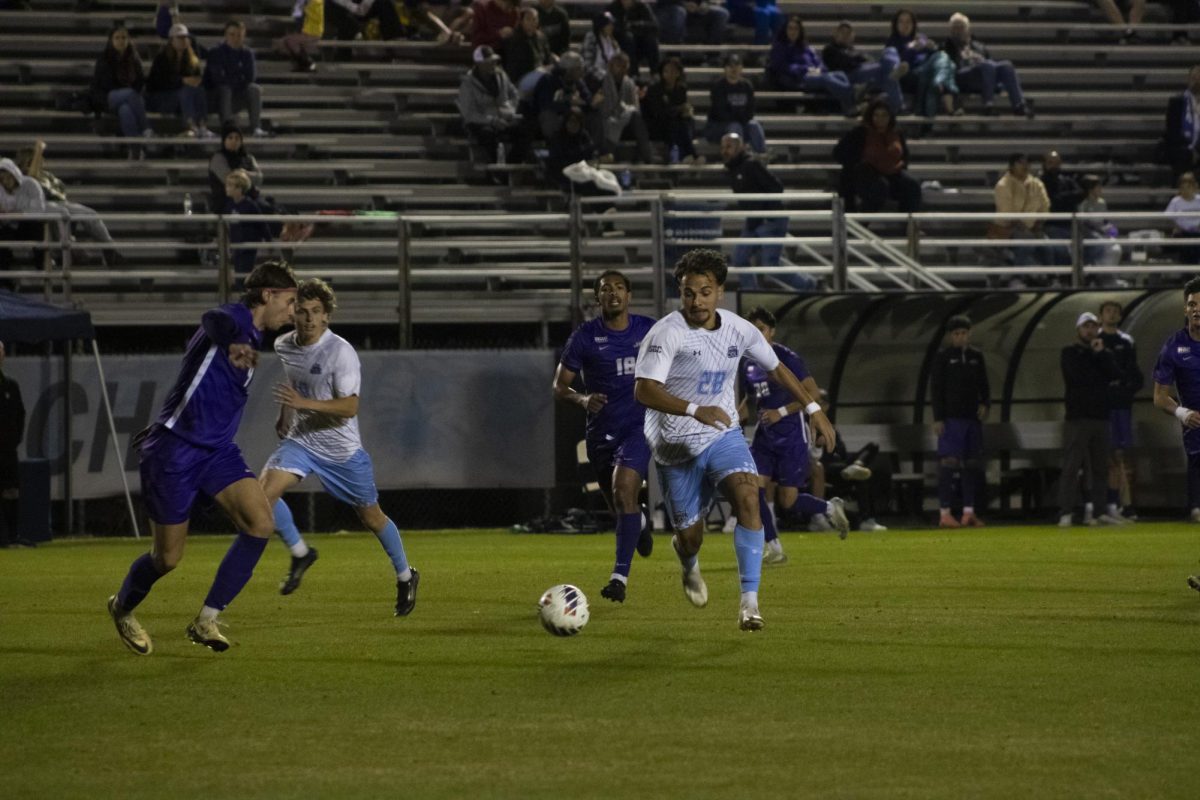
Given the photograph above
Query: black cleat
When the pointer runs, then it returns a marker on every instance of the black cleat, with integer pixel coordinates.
(1194, 582)
(645, 545)
(406, 595)
(299, 566)
(615, 591)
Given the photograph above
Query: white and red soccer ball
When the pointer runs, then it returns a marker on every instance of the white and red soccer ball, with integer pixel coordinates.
(563, 610)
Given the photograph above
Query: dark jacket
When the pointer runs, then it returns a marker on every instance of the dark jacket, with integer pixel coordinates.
(110, 74)
(557, 26)
(1121, 392)
(566, 149)
(523, 53)
(552, 93)
(12, 414)
(254, 231)
(748, 175)
(958, 384)
(849, 153)
(842, 58)
(229, 67)
(167, 76)
(1064, 192)
(954, 50)
(1087, 375)
(731, 102)
(637, 21)
(662, 106)
(1174, 138)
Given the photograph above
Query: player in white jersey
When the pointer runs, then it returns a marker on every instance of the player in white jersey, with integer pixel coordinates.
(318, 410)
(686, 376)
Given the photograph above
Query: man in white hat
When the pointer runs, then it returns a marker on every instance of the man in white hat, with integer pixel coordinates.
(488, 102)
(1087, 369)
(19, 194)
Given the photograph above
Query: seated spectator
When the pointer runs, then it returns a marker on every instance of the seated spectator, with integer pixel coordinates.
(488, 101)
(794, 66)
(874, 156)
(930, 77)
(1186, 227)
(835, 471)
(1065, 196)
(347, 19)
(31, 161)
(561, 91)
(599, 46)
(731, 108)
(117, 83)
(528, 56)
(674, 15)
(492, 22)
(976, 71)
(621, 110)
(669, 116)
(308, 23)
(761, 15)
(555, 23)
(231, 156)
(569, 145)
(230, 76)
(1182, 140)
(1019, 192)
(174, 84)
(636, 31)
(238, 202)
(841, 55)
(1109, 253)
(20, 194)
(1183, 12)
(1112, 12)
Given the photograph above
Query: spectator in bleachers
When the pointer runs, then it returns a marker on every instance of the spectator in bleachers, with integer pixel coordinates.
(978, 72)
(1109, 253)
(1182, 140)
(731, 108)
(1183, 12)
(793, 66)
(599, 46)
(347, 18)
(230, 75)
(569, 145)
(555, 23)
(621, 110)
(31, 161)
(636, 30)
(561, 91)
(528, 55)
(1061, 187)
(231, 156)
(308, 22)
(19, 194)
(874, 156)
(174, 83)
(930, 77)
(1112, 12)
(1020, 192)
(1186, 227)
(674, 15)
(492, 23)
(761, 15)
(238, 202)
(669, 116)
(841, 55)
(488, 102)
(118, 81)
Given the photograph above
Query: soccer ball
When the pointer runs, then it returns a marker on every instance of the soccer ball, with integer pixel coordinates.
(563, 610)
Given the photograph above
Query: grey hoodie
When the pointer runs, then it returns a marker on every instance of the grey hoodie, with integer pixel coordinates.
(28, 197)
(479, 107)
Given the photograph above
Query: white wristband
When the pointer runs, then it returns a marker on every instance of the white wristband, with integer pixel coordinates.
(691, 409)
(783, 411)
(812, 408)
(1181, 413)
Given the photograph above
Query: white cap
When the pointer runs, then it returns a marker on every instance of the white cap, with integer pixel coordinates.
(485, 53)
(178, 29)
(1085, 317)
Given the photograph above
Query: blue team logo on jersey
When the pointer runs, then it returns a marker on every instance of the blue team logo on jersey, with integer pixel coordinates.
(316, 369)
(732, 352)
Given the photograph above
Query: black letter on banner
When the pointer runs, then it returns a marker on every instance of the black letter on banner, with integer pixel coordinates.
(38, 444)
(130, 425)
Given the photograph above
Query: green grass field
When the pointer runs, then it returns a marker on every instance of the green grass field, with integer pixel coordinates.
(1001, 663)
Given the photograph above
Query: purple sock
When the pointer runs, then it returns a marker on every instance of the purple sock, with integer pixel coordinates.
(235, 570)
(629, 529)
(142, 575)
(768, 519)
(807, 504)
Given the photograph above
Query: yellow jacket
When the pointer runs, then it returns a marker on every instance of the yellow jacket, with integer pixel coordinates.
(1014, 196)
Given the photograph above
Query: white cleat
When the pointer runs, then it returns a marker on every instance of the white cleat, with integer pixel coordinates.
(129, 629)
(819, 523)
(749, 619)
(837, 516)
(871, 525)
(856, 472)
(1065, 521)
(206, 633)
(693, 583)
(1108, 519)
(774, 557)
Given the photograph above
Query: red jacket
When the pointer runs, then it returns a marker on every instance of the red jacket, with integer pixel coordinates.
(489, 19)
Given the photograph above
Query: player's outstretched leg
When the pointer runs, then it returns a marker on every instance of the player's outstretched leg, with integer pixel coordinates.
(143, 573)
(748, 546)
(693, 583)
(772, 548)
(232, 576)
(303, 556)
(629, 531)
(388, 535)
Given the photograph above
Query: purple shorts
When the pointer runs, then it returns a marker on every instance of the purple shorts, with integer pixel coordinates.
(621, 450)
(787, 465)
(1120, 423)
(174, 471)
(962, 439)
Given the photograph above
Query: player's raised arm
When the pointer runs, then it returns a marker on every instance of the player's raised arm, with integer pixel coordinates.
(786, 378)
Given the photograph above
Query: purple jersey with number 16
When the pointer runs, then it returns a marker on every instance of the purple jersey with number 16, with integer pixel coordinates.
(606, 359)
(769, 394)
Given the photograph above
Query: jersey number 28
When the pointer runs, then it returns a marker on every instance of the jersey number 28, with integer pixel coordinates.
(711, 382)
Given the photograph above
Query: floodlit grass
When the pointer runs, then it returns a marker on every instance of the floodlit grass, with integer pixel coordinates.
(999, 663)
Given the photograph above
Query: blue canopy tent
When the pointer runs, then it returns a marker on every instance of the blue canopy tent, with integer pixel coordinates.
(23, 319)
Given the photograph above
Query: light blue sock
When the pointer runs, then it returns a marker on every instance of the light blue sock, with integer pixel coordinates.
(285, 525)
(389, 537)
(748, 546)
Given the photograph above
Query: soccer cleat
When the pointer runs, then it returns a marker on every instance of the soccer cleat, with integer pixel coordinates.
(129, 629)
(299, 566)
(1194, 582)
(774, 557)
(406, 595)
(819, 523)
(693, 583)
(871, 525)
(1195, 515)
(645, 544)
(971, 521)
(615, 591)
(856, 472)
(207, 633)
(1064, 521)
(948, 521)
(1106, 519)
(749, 619)
(837, 516)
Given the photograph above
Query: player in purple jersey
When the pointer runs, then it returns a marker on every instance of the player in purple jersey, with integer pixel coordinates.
(781, 447)
(1179, 364)
(604, 351)
(190, 451)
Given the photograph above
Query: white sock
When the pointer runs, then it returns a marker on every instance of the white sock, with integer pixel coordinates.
(207, 614)
(945, 512)
(1112, 509)
(750, 599)
(404, 576)
(299, 549)
(968, 511)
(617, 577)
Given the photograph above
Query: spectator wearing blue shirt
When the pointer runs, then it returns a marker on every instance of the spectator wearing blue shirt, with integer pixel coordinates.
(930, 76)
(230, 76)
